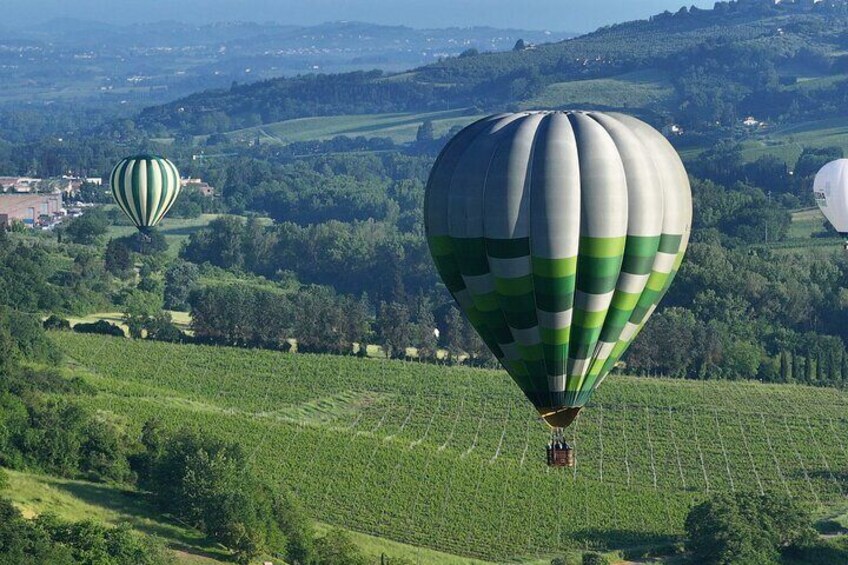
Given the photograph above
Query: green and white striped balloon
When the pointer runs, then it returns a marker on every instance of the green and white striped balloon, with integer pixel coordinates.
(145, 187)
(558, 233)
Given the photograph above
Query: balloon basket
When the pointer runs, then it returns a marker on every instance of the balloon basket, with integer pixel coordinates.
(559, 453)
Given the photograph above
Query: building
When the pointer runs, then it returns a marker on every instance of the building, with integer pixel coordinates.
(68, 184)
(19, 184)
(30, 209)
(204, 188)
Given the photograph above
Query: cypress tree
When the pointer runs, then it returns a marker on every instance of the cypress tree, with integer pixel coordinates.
(784, 367)
(797, 366)
(789, 371)
(844, 371)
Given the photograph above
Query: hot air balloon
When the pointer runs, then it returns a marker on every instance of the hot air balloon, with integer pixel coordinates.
(830, 189)
(558, 233)
(145, 187)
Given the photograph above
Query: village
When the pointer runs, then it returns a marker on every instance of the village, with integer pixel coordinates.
(44, 203)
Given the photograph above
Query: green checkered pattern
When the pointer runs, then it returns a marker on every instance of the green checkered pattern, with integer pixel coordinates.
(145, 187)
(570, 258)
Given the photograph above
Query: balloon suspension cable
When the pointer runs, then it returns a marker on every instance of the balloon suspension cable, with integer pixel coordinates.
(558, 437)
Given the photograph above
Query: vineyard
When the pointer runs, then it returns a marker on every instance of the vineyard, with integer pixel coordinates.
(452, 458)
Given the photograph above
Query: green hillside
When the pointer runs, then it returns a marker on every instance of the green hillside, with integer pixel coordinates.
(452, 458)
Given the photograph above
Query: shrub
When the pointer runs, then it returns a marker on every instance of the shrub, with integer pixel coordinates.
(54, 322)
(592, 558)
(100, 327)
(336, 548)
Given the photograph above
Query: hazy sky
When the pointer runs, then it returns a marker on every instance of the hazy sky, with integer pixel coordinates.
(559, 15)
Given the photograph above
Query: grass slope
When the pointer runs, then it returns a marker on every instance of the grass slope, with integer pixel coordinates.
(451, 458)
(80, 500)
(640, 89)
(400, 127)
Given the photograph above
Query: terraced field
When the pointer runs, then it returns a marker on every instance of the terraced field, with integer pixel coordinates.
(452, 458)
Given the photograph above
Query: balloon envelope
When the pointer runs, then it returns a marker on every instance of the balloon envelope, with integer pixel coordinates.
(830, 189)
(557, 233)
(145, 187)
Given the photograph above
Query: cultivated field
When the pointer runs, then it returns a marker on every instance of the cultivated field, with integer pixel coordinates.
(400, 127)
(452, 458)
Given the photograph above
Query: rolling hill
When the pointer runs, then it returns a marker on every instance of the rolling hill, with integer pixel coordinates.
(95, 64)
(452, 458)
(705, 69)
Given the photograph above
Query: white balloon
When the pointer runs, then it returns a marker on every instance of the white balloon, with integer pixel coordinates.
(830, 189)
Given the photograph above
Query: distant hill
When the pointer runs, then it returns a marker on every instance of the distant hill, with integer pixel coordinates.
(143, 64)
(703, 69)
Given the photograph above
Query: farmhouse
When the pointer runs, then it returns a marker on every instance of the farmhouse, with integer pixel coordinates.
(203, 187)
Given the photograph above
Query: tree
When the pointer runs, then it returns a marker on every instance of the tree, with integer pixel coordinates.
(86, 229)
(180, 280)
(318, 322)
(160, 327)
(519, 45)
(220, 244)
(225, 314)
(452, 335)
(295, 525)
(393, 328)
(206, 482)
(424, 337)
(139, 308)
(355, 319)
(745, 528)
(336, 548)
(425, 133)
(117, 258)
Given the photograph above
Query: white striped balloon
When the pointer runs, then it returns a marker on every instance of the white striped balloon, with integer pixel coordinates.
(145, 187)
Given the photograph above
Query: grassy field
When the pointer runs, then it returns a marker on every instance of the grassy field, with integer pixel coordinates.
(807, 234)
(181, 319)
(400, 127)
(640, 89)
(175, 230)
(452, 459)
(79, 500)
